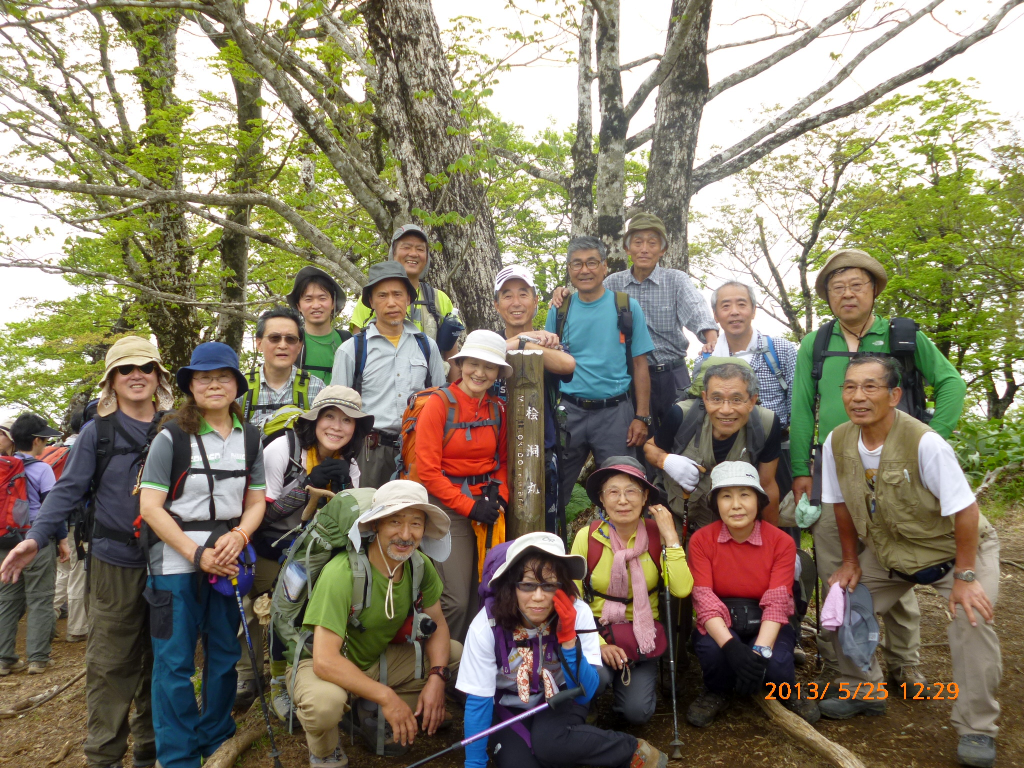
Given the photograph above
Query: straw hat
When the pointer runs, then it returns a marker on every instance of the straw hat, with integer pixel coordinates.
(133, 350)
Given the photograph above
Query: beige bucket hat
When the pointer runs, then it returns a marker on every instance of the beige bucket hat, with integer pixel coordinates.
(850, 257)
(345, 399)
(397, 495)
(133, 350)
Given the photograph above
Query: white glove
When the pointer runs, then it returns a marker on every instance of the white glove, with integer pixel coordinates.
(683, 470)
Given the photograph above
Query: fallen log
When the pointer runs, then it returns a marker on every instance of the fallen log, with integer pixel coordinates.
(250, 728)
(806, 736)
(23, 706)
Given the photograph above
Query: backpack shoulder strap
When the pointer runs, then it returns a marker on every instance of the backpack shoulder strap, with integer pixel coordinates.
(594, 551)
(253, 395)
(561, 315)
(362, 586)
(424, 345)
(253, 438)
(181, 458)
(654, 543)
(360, 355)
(903, 338)
(772, 358)
(430, 300)
(758, 427)
(625, 321)
(300, 389)
(693, 421)
(821, 340)
(452, 408)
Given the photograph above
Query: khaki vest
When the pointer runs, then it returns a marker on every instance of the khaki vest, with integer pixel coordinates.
(702, 452)
(907, 530)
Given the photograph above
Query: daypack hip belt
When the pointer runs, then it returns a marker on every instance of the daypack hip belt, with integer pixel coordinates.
(100, 531)
(595, 405)
(663, 367)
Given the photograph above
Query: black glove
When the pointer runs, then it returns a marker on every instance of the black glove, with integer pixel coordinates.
(748, 666)
(485, 511)
(333, 471)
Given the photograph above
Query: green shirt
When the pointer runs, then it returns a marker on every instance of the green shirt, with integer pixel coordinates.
(331, 601)
(947, 385)
(318, 354)
(362, 314)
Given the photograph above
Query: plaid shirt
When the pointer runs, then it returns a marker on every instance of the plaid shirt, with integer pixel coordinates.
(269, 400)
(670, 302)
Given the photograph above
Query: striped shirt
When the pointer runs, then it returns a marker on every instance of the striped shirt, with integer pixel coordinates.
(670, 302)
(269, 400)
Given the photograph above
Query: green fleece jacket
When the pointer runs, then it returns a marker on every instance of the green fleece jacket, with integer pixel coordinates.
(947, 385)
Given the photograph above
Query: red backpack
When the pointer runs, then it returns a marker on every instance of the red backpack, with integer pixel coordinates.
(13, 496)
(56, 456)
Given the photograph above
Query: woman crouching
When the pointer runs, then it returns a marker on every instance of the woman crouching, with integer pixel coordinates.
(532, 651)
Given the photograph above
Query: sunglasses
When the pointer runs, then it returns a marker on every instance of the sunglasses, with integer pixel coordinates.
(126, 370)
(529, 587)
(289, 339)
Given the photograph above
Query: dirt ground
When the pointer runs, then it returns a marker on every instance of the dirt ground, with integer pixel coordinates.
(916, 734)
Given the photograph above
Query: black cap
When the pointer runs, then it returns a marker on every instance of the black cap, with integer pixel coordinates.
(303, 278)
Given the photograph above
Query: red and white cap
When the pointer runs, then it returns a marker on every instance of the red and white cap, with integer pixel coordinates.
(514, 272)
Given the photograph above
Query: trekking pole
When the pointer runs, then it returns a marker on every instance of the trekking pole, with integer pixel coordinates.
(553, 703)
(676, 744)
(274, 751)
(492, 495)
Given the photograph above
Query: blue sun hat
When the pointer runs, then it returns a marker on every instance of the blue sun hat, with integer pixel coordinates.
(211, 356)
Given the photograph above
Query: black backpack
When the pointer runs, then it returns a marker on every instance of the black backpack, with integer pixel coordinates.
(318, 370)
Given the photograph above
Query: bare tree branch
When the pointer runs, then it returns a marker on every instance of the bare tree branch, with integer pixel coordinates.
(639, 62)
(537, 172)
(800, 27)
(637, 140)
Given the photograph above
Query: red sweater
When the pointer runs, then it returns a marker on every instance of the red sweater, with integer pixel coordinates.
(761, 568)
(461, 457)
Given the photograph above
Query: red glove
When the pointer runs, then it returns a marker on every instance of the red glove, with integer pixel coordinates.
(566, 610)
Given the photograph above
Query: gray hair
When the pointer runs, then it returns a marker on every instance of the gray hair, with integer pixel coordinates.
(727, 371)
(734, 284)
(889, 364)
(586, 243)
(286, 313)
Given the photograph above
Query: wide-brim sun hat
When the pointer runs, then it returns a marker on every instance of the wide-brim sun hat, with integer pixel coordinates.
(644, 221)
(6, 424)
(133, 350)
(844, 259)
(547, 543)
(397, 495)
(302, 279)
(345, 399)
(386, 270)
(211, 356)
(620, 465)
(487, 346)
(732, 474)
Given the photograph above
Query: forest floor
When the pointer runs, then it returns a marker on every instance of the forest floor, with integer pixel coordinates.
(911, 733)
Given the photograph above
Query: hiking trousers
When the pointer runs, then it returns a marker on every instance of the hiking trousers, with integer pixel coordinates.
(185, 734)
(266, 574)
(977, 660)
(901, 641)
(376, 465)
(319, 704)
(459, 574)
(32, 593)
(602, 432)
(71, 587)
(635, 701)
(719, 676)
(560, 740)
(119, 666)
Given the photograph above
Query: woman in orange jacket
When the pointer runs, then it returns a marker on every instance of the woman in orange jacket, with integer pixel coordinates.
(461, 459)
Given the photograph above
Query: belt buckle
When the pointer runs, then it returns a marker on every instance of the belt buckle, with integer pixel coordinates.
(373, 440)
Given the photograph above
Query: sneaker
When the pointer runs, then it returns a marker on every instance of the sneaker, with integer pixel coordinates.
(245, 694)
(647, 756)
(705, 708)
(337, 759)
(280, 701)
(912, 676)
(38, 667)
(7, 667)
(976, 749)
(76, 638)
(844, 709)
(804, 708)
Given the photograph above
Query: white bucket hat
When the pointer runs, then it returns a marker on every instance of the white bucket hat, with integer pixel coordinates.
(730, 474)
(487, 346)
(397, 495)
(544, 542)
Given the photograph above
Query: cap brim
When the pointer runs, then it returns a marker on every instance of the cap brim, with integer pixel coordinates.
(438, 523)
(487, 357)
(314, 413)
(598, 476)
(47, 431)
(184, 376)
(133, 360)
(576, 564)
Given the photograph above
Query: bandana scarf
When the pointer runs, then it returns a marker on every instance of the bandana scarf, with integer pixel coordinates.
(526, 665)
(619, 583)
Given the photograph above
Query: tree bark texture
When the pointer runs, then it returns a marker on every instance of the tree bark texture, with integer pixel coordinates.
(678, 112)
(584, 160)
(611, 157)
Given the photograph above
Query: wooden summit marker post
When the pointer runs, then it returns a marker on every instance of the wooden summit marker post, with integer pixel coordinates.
(525, 418)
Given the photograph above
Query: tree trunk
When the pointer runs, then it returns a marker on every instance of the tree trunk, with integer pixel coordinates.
(611, 156)
(584, 161)
(677, 120)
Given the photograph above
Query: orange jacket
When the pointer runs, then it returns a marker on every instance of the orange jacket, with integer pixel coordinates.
(461, 457)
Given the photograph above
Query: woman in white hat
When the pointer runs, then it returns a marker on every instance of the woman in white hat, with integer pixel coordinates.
(461, 467)
(319, 451)
(743, 572)
(533, 638)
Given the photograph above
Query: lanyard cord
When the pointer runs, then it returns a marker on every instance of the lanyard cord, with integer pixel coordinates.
(389, 598)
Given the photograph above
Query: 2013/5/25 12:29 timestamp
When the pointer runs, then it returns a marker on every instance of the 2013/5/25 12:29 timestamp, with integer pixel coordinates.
(865, 691)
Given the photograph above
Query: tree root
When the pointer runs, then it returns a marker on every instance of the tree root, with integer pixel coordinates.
(1011, 562)
(807, 737)
(32, 702)
(250, 728)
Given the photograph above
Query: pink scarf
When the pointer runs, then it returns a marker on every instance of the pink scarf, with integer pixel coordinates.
(613, 611)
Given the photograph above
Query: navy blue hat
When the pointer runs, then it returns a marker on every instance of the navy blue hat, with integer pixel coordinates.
(211, 356)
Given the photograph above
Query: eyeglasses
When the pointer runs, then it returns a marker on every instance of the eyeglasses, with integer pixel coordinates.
(868, 389)
(735, 402)
(575, 265)
(838, 289)
(126, 370)
(276, 338)
(614, 494)
(529, 587)
(206, 379)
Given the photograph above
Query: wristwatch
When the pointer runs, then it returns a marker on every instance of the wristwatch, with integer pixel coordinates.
(764, 651)
(964, 575)
(443, 672)
(645, 419)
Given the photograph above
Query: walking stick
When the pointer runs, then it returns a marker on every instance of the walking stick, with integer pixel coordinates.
(274, 751)
(553, 703)
(676, 744)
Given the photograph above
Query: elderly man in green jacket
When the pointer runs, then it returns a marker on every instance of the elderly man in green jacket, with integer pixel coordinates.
(850, 282)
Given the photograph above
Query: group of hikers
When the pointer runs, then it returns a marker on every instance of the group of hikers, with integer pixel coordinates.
(346, 498)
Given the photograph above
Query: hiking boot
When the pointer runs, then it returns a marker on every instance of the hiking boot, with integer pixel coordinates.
(337, 759)
(844, 709)
(76, 638)
(7, 667)
(143, 761)
(799, 656)
(912, 676)
(803, 708)
(392, 748)
(705, 708)
(38, 667)
(828, 682)
(63, 612)
(647, 756)
(245, 694)
(976, 749)
(280, 701)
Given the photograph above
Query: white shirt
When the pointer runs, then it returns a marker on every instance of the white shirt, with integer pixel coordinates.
(940, 472)
(275, 461)
(478, 673)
